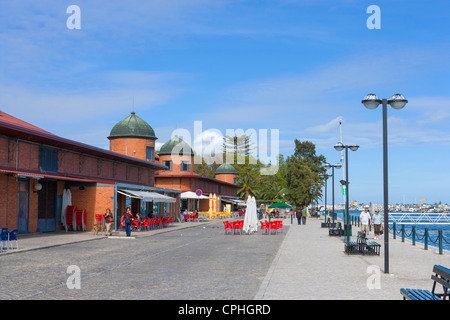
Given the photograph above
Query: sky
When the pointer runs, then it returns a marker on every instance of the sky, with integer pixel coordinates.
(296, 66)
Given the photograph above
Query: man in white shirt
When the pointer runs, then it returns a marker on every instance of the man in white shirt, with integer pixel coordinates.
(364, 218)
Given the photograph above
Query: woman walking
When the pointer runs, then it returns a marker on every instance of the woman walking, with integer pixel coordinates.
(376, 222)
(109, 219)
(127, 218)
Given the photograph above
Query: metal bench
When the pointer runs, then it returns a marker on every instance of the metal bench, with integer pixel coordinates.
(441, 276)
(361, 246)
(337, 231)
(370, 248)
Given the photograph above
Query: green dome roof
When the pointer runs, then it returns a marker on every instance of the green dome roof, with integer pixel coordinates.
(132, 126)
(181, 146)
(226, 168)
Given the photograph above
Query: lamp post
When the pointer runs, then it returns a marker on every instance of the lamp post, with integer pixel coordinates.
(328, 166)
(325, 176)
(339, 147)
(371, 102)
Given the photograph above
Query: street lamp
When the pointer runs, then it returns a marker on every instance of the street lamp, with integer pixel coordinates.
(339, 147)
(328, 166)
(371, 102)
(325, 176)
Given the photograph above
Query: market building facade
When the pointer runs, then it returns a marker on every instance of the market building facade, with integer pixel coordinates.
(38, 167)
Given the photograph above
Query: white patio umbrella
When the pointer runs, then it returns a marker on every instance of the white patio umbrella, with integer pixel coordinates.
(66, 201)
(251, 218)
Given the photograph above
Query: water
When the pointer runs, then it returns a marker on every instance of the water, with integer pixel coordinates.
(420, 230)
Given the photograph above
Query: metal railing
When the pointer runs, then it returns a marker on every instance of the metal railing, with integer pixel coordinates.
(426, 237)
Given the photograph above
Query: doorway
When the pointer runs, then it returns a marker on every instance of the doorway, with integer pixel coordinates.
(47, 207)
(23, 213)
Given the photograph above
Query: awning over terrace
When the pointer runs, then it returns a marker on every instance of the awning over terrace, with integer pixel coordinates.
(146, 196)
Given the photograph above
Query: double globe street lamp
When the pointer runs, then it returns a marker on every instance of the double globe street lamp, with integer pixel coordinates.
(371, 102)
(339, 147)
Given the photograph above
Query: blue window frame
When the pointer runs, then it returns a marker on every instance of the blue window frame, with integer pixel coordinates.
(150, 153)
(185, 166)
(48, 159)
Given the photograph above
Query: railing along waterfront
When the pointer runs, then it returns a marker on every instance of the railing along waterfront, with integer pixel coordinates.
(424, 237)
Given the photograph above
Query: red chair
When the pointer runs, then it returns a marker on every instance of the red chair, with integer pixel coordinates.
(122, 223)
(158, 222)
(265, 226)
(151, 223)
(238, 225)
(80, 219)
(99, 219)
(186, 217)
(227, 226)
(135, 223)
(70, 213)
(280, 225)
(144, 224)
(273, 226)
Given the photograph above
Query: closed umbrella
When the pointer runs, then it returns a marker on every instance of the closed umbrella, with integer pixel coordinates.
(250, 218)
(66, 201)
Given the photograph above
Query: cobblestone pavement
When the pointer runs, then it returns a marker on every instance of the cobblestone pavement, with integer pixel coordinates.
(195, 263)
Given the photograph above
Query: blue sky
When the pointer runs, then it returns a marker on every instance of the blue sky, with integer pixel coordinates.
(297, 66)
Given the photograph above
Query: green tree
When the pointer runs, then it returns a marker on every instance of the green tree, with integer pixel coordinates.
(300, 180)
(306, 150)
(247, 188)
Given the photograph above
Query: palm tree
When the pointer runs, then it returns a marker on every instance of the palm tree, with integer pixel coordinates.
(247, 188)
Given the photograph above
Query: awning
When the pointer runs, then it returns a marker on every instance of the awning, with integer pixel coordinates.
(192, 195)
(147, 196)
(240, 203)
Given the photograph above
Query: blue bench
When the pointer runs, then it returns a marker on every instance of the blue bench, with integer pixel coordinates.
(441, 276)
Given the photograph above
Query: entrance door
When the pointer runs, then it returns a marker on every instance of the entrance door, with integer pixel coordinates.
(22, 215)
(47, 207)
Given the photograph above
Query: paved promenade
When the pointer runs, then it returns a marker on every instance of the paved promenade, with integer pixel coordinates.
(308, 265)
(312, 265)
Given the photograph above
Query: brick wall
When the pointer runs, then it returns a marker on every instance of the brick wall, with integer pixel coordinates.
(95, 200)
(226, 177)
(133, 147)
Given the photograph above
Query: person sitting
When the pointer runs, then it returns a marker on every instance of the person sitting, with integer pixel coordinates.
(185, 215)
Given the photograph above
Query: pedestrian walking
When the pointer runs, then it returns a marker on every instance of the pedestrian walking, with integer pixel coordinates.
(364, 218)
(109, 219)
(304, 215)
(298, 214)
(376, 222)
(128, 219)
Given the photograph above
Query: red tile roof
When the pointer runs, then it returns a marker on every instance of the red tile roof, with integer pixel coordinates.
(11, 126)
(4, 117)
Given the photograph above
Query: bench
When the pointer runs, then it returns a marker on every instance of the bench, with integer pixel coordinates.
(337, 231)
(352, 247)
(361, 246)
(441, 276)
(370, 248)
(328, 224)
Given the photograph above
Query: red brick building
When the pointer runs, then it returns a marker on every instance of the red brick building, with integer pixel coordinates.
(178, 157)
(134, 137)
(36, 167)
